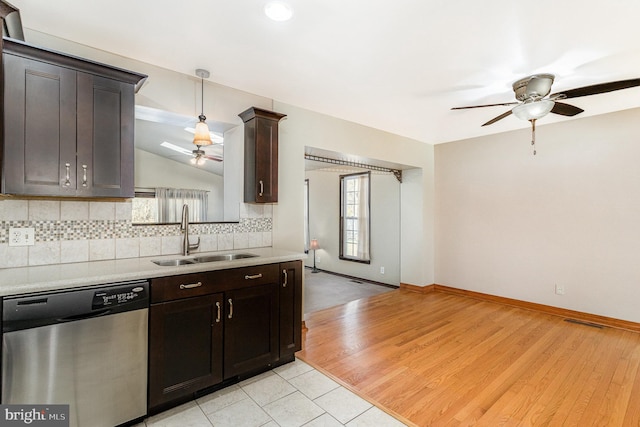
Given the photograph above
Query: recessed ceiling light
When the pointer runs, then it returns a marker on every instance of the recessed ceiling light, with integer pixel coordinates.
(278, 11)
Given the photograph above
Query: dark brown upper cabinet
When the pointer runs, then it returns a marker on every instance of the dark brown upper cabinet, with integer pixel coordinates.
(260, 155)
(68, 125)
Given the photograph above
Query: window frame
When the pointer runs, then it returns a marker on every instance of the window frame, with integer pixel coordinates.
(307, 228)
(342, 218)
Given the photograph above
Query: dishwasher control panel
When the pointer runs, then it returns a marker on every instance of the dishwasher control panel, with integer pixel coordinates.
(110, 297)
(42, 309)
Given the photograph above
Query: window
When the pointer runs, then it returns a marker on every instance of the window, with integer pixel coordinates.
(171, 200)
(354, 217)
(164, 205)
(306, 216)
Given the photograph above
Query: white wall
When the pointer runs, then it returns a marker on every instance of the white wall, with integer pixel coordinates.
(512, 224)
(303, 127)
(324, 225)
(416, 227)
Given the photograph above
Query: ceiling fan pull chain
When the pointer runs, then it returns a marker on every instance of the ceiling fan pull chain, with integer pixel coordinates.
(533, 135)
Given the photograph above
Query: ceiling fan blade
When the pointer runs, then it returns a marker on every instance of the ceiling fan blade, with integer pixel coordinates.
(598, 88)
(565, 109)
(486, 105)
(495, 119)
(214, 158)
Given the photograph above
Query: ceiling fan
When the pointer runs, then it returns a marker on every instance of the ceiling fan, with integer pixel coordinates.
(534, 102)
(199, 156)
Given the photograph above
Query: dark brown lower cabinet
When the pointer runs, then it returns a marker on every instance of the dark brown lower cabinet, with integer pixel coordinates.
(224, 325)
(251, 329)
(185, 347)
(290, 308)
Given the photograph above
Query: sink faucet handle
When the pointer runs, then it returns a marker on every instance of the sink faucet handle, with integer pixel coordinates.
(195, 245)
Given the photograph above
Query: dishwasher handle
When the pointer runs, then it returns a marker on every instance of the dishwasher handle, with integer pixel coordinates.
(76, 317)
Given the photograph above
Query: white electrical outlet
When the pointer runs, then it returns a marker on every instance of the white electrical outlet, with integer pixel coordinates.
(381, 270)
(559, 290)
(22, 236)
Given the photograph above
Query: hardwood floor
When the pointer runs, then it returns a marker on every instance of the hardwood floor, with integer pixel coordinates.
(445, 360)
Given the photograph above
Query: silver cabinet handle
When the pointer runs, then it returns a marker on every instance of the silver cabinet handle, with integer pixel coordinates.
(218, 307)
(191, 285)
(68, 168)
(286, 278)
(84, 175)
(261, 187)
(230, 308)
(255, 276)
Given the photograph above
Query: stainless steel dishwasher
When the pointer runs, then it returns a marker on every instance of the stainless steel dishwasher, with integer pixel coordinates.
(83, 347)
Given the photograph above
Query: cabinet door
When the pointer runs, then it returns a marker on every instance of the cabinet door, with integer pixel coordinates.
(260, 155)
(251, 329)
(185, 347)
(266, 160)
(290, 308)
(39, 128)
(105, 137)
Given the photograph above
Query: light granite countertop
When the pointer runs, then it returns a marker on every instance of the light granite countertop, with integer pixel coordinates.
(25, 280)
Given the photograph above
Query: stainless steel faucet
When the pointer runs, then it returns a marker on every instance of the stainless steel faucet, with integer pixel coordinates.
(184, 227)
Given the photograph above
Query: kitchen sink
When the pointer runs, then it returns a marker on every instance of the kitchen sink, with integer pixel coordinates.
(173, 262)
(224, 257)
(201, 259)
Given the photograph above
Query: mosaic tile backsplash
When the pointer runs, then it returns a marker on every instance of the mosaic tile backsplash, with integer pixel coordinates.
(69, 231)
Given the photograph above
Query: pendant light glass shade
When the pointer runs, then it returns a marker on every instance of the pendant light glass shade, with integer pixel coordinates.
(202, 135)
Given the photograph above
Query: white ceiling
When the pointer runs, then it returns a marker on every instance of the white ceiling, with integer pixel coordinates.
(393, 65)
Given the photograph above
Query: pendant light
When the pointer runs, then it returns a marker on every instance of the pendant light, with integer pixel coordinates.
(202, 136)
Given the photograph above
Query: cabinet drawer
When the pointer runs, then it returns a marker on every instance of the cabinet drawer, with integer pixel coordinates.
(197, 284)
(250, 276)
(183, 286)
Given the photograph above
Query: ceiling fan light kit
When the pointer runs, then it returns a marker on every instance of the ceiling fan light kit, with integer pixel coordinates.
(535, 102)
(533, 110)
(198, 157)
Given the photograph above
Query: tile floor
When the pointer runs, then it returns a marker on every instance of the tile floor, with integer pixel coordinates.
(288, 396)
